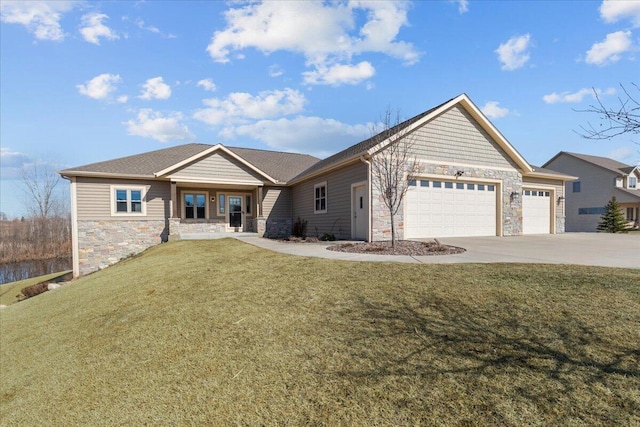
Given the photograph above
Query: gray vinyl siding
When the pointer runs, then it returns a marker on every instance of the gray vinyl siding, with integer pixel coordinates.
(94, 198)
(218, 167)
(455, 137)
(277, 202)
(597, 186)
(337, 219)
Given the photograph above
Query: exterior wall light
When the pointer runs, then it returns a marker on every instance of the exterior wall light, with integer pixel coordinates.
(515, 196)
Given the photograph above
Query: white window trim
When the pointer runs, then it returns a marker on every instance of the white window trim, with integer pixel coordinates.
(183, 213)
(326, 198)
(128, 188)
(629, 187)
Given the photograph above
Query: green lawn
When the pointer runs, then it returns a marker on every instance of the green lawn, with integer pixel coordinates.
(223, 333)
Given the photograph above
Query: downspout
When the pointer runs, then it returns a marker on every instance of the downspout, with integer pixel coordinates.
(74, 226)
(368, 163)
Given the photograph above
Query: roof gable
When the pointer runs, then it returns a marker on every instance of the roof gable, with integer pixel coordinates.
(374, 144)
(611, 165)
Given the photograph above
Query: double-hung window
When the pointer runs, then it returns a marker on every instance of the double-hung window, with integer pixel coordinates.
(127, 200)
(320, 198)
(633, 182)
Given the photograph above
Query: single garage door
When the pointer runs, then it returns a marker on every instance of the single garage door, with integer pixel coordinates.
(449, 209)
(536, 212)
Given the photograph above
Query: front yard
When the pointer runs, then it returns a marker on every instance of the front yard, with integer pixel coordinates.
(223, 333)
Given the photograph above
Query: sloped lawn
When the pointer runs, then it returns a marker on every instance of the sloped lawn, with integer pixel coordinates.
(223, 333)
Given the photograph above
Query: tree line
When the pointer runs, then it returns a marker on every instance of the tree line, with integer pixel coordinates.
(45, 232)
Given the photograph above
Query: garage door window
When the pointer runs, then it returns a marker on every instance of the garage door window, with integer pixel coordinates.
(437, 184)
(412, 183)
(424, 183)
(448, 185)
(471, 186)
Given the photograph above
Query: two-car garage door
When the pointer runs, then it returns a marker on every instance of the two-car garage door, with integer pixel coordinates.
(436, 208)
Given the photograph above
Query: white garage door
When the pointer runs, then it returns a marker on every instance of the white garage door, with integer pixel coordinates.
(449, 209)
(536, 212)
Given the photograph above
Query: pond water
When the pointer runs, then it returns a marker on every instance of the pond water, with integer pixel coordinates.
(14, 271)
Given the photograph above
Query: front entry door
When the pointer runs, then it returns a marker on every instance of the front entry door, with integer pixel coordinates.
(360, 213)
(235, 211)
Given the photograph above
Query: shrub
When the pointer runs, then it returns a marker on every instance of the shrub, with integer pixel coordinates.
(299, 228)
(33, 290)
(328, 237)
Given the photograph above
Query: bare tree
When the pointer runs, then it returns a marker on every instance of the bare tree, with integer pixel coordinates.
(39, 183)
(623, 119)
(393, 162)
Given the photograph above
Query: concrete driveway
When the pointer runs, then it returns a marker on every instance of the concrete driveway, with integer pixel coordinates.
(607, 250)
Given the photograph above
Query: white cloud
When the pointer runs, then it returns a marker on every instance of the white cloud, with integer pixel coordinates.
(152, 124)
(609, 50)
(312, 135)
(615, 10)
(275, 71)
(207, 84)
(93, 28)
(340, 74)
(99, 87)
(575, 97)
(463, 5)
(514, 53)
(11, 162)
(622, 154)
(155, 88)
(42, 18)
(325, 33)
(240, 106)
(122, 99)
(493, 110)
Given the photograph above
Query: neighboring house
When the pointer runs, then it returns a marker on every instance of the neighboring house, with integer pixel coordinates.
(469, 181)
(600, 179)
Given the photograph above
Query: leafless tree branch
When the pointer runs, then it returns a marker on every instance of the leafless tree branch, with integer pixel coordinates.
(614, 121)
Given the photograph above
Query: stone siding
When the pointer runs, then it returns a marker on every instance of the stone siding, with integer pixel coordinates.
(278, 228)
(511, 210)
(103, 243)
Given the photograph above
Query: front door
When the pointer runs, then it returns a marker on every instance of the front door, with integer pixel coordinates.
(235, 211)
(360, 211)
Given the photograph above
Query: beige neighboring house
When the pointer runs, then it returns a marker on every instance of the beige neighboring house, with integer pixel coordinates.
(468, 181)
(600, 179)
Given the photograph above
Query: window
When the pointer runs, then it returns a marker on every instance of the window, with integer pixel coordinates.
(411, 182)
(320, 198)
(471, 186)
(424, 183)
(437, 184)
(220, 204)
(195, 205)
(127, 200)
(448, 185)
(491, 188)
(459, 186)
(576, 187)
(591, 211)
(633, 182)
(527, 192)
(480, 187)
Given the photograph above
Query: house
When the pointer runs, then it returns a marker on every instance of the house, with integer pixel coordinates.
(468, 181)
(601, 179)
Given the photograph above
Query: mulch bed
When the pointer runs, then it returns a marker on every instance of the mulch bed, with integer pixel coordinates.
(403, 247)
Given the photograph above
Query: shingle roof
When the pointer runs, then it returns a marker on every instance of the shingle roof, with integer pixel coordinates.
(363, 146)
(603, 162)
(279, 165)
(145, 164)
(547, 171)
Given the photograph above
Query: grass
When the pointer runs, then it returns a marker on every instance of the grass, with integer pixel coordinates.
(10, 292)
(223, 333)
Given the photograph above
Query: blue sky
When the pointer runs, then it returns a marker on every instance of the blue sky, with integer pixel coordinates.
(84, 81)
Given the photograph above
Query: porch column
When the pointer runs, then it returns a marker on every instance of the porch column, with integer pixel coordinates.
(174, 200)
(260, 201)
